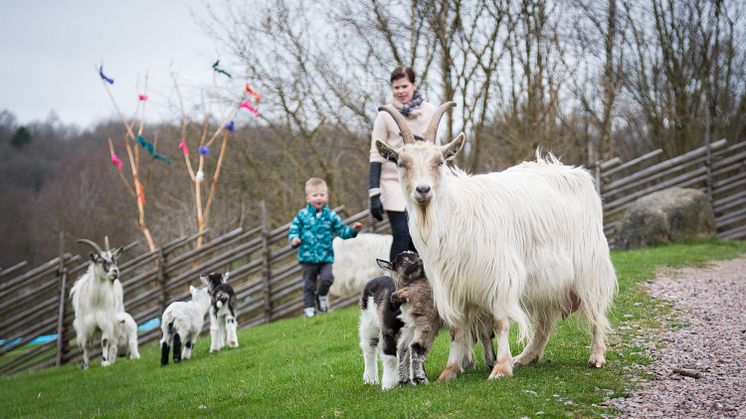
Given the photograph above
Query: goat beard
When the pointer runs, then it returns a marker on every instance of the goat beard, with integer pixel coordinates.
(424, 222)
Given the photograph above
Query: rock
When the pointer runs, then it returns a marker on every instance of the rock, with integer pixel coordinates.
(666, 216)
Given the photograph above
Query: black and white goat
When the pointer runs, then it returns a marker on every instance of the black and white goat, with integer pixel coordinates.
(184, 320)
(399, 318)
(380, 327)
(97, 299)
(223, 311)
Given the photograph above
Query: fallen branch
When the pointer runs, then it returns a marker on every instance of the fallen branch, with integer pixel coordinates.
(687, 372)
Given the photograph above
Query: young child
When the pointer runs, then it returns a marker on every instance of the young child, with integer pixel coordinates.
(313, 229)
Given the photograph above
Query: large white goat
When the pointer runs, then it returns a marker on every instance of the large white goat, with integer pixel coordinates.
(525, 245)
(97, 298)
(355, 262)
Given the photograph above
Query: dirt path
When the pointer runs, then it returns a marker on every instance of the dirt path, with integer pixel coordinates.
(706, 335)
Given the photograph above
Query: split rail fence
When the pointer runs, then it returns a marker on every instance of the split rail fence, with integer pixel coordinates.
(35, 305)
(718, 169)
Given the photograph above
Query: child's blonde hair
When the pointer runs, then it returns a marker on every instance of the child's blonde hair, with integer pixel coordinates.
(313, 183)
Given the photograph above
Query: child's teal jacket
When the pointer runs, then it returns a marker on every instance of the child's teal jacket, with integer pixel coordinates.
(316, 234)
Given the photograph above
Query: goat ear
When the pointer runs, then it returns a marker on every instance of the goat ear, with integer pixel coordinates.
(203, 279)
(451, 149)
(385, 264)
(386, 151)
(226, 275)
(92, 256)
(192, 290)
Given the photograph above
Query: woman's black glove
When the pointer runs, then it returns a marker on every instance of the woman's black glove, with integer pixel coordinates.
(376, 208)
(374, 191)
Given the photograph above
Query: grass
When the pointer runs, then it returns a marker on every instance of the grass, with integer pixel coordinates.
(313, 368)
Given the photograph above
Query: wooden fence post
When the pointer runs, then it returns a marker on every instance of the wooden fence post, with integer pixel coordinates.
(266, 270)
(708, 167)
(597, 175)
(62, 272)
(162, 278)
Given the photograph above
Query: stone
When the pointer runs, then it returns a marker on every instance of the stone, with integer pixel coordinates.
(666, 216)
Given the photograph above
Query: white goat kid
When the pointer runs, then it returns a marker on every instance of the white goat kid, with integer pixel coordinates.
(183, 320)
(223, 311)
(125, 331)
(525, 245)
(97, 299)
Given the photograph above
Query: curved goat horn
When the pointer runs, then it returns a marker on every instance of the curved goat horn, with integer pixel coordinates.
(432, 129)
(90, 243)
(106, 243)
(401, 122)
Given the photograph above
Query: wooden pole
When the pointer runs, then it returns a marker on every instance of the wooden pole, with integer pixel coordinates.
(266, 272)
(62, 272)
(708, 155)
(162, 279)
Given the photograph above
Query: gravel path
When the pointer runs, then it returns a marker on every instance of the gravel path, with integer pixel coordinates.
(706, 334)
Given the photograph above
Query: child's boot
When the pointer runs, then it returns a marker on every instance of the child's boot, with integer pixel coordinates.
(323, 303)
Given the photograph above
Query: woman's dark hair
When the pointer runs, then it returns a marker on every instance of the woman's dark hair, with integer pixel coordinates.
(401, 72)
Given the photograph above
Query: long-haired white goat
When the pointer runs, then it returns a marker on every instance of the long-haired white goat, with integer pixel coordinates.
(525, 245)
(97, 298)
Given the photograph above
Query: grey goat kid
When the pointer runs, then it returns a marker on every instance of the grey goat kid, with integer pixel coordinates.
(222, 312)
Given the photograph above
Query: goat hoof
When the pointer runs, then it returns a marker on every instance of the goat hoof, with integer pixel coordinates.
(233, 344)
(422, 380)
(370, 379)
(524, 360)
(448, 374)
(83, 366)
(389, 386)
(596, 361)
(502, 369)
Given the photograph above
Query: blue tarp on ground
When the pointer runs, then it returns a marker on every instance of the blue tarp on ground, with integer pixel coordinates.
(148, 325)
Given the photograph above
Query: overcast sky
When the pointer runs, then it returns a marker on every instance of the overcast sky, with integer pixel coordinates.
(48, 50)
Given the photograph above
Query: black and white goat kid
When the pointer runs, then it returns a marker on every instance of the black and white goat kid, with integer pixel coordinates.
(222, 312)
(183, 320)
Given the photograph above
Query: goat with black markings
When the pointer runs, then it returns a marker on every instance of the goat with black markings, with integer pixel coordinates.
(184, 320)
(223, 312)
(97, 299)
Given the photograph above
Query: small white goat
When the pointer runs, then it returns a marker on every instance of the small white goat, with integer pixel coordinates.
(355, 262)
(97, 299)
(125, 330)
(223, 311)
(183, 321)
(525, 245)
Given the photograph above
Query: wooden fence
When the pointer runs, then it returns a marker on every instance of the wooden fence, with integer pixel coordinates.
(718, 169)
(35, 306)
